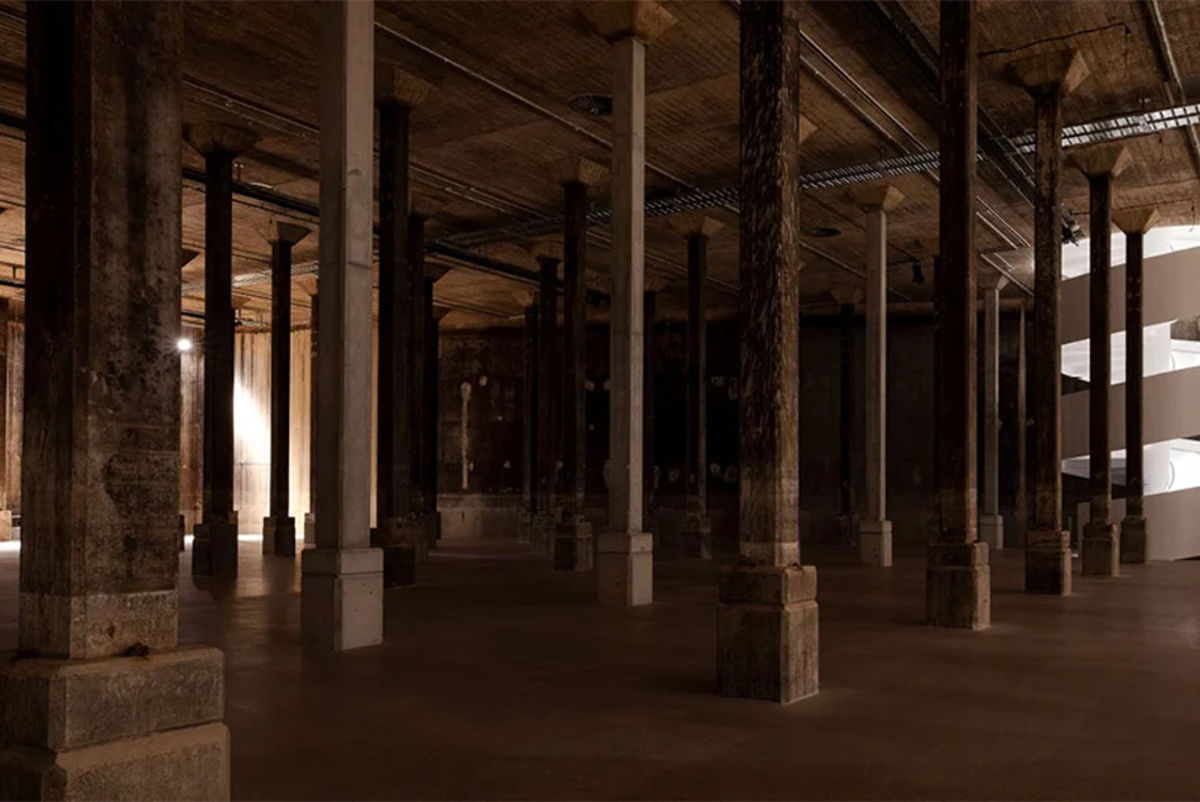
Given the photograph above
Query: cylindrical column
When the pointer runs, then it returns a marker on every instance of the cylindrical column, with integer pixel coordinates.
(991, 523)
(958, 578)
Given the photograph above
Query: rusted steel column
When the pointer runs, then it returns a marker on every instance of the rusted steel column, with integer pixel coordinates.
(1135, 223)
(573, 538)
(1101, 164)
(279, 528)
(958, 577)
(530, 420)
(214, 550)
(991, 523)
(549, 388)
(1048, 77)
(767, 645)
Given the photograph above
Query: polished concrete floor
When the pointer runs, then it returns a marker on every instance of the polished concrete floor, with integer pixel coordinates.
(501, 679)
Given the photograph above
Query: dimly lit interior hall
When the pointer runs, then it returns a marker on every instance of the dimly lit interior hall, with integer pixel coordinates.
(599, 400)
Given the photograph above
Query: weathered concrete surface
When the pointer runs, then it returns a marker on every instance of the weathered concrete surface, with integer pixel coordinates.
(991, 522)
(767, 635)
(545, 518)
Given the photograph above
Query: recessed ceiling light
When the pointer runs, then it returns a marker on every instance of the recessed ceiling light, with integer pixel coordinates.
(591, 105)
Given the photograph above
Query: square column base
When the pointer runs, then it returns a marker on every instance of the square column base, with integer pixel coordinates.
(573, 546)
(767, 633)
(1100, 550)
(958, 586)
(1048, 563)
(875, 543)
(404, 543)
(695, 539)
(279, 536)
(1133, 539)
(341, 598)
(310, 529)
(6, 525)
(215, 548)
(847, 529)
(524, 526)
(542, 532)
(115, 728)
(991, 531)
(182, 531)
(625, 569)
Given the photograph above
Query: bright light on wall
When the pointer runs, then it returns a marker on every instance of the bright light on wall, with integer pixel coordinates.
(183, 344)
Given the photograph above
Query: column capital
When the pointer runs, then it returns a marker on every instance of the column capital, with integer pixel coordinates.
(209, 137)
(804, 128)
(287, 233)
(545, 250)
(644, 20)
(394, 85)
(689, 224)
(1100, 160)
(578, 170)
(1136, 221)
(991, 280)
(1053, 70)
(876, 197)
(848, 296)
(425, 206)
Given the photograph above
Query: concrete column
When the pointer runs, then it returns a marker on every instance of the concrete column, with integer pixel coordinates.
(214, 550)
(846, 299)
(421, 519)
(1048, 77)
(279, 528)
(549, 256)
(530, 420)
(696, 537)
(991, 523)
(1135, 223)
(767, 644)
(90, 704)
(958, 578)
(1101, 164)
(5, 511)
(653, 286)
(624, 568)
(573, 540)
(310, 518)
(874, 529)
(399, 352)
(342, 577)
(429, 474)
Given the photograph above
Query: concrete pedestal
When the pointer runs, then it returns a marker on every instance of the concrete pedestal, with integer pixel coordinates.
(958, 586)
(991, 531)
(573, 546)
(279, 536)
(341, 598)
(695, 539)
(1048, 563)
(542, 532)
(767, 633)
(625, 569)
(310, 529)
(875, 543)
(403, 543)
(71, 731)
(525, 527)
(1133, 539)
(6, 525)
(215, 548)
(1100, 550)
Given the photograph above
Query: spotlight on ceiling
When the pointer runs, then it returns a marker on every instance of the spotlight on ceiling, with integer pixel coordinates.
(918, 276)
(183, 344)
(822, 232)
(591, 105)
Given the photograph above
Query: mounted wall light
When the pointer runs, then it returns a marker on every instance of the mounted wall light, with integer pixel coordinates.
(183, 344)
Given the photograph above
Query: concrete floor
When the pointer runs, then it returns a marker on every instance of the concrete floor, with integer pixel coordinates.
(501, 679)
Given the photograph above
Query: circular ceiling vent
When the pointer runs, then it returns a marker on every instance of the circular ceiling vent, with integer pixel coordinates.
(824, 232)
(591, 105)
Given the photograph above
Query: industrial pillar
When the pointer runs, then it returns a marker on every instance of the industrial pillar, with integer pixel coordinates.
(1135, 223)
(215, 547)
(430, 451)
(530, 421)
(1101, 164)
(100, 701)
(419, 509)
(5, 510)
(874, 529)
(1048, 77)
(310, 517)
(545, 520)
(767, 640)
(573, 538)
(696, 537)
(653, 285)
(847, 300)
(399, 353)
(957, 577)
(279, 528)
(342, 576)
(991, 523)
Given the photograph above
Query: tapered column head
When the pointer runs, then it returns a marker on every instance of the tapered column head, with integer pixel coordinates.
(695, 224)
(991, 280)
(578, 170)
(876, 197)
(1053, 71)
(1136, 221)
(286, 233)
(425, 207)
(654, 282)
(400, 87)
(1096, 161)
(644, 20)
(211, 137)
(804, 129)
(848, 296)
